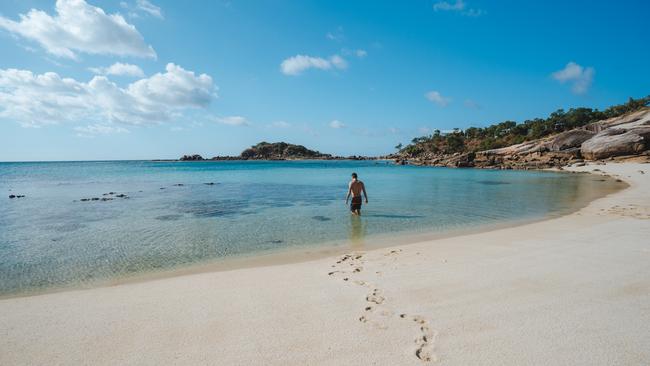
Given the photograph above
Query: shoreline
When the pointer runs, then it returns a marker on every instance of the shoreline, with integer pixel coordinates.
(567, 290)
(310, 252)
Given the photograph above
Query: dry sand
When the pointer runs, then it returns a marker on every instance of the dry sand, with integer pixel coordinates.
(568, 291)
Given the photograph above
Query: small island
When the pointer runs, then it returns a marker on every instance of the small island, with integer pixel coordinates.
(276, 151)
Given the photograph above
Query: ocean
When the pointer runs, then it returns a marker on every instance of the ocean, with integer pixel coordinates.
(180, 214)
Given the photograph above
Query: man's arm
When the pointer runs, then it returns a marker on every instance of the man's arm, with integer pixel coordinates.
(363, 187)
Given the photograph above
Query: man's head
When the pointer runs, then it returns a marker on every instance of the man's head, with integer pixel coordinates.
(354, 176)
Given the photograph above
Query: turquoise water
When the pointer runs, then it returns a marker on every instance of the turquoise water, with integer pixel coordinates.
(51, 239)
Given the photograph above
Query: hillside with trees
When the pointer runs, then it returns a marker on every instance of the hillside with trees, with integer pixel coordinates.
(439, 146)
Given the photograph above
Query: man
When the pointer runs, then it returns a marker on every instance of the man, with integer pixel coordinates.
(355, 188)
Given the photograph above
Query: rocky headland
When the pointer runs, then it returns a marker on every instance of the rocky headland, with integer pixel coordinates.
(623, 137)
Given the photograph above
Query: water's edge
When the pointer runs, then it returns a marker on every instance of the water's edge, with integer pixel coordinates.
(308, 253)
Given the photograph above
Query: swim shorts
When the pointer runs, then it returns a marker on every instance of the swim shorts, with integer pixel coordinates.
(356, 203)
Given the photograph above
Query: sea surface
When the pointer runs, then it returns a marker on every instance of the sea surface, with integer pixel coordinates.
(179, 214)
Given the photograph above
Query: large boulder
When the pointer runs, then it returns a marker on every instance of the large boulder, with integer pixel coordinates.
(616, 142)
(570, 139)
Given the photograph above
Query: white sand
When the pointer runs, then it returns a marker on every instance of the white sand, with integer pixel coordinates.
(568, 291)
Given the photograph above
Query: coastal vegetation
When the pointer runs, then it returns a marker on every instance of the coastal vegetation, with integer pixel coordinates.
(281, 150)
(507, 133)
(269, 151)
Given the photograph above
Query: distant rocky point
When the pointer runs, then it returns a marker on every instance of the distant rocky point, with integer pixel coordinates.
(276, 151)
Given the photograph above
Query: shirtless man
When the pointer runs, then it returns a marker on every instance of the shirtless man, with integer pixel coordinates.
(355, 188)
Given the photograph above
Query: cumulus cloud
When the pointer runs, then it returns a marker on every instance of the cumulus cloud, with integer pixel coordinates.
(297, 64)
(232, 120)
(40, 99)
(337, 124)
(578, 76)
(458, 6)
(79, 27)
(437, 98)
(98, 129)
(361, 53)
(119, 68)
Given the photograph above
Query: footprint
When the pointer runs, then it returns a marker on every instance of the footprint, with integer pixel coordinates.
(393, 252)
(424, 342)
(375, 297)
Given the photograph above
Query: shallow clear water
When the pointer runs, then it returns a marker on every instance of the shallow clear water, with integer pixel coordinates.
(52, 239)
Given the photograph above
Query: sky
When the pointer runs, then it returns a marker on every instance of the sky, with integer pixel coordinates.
(147, 79)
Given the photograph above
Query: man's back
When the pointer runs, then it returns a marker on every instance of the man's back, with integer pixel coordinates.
(356, 187)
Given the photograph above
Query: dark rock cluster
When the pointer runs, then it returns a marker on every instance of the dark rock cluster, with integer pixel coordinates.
(106, 197)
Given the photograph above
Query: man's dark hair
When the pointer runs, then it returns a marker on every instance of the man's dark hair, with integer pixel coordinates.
(354, 175)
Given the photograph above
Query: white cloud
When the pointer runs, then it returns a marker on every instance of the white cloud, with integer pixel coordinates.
(445, 6)
(98, 129)
(474, 12)
(437, 98)
(149, 8)
(39, 99)
(297, 64)
(361, 53)
(580, 77)
(458, 6)
(79, 27)
(339, 62)
(119, 68)
(232, 120)
(337, 35)
(337, 124)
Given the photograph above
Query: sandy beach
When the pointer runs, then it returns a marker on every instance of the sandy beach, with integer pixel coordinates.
(574, 290)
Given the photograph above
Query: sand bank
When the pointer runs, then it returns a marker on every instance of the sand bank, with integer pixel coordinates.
(568, 291)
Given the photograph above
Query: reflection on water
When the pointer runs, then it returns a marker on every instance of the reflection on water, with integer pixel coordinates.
(390, 216)
(357, 231)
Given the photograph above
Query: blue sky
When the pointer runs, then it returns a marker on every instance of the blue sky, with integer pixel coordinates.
(143, 79)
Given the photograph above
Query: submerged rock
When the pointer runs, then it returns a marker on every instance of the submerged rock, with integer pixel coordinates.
(321, 218)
